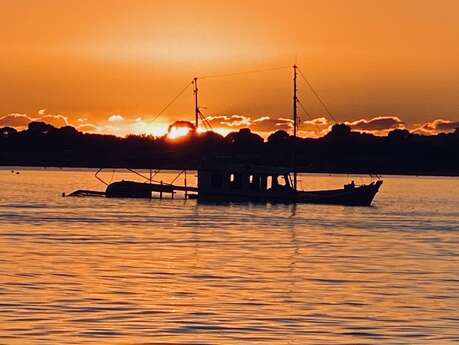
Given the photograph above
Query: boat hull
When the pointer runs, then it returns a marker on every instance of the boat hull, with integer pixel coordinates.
(132, 189)
(358, 196)
(349, 196)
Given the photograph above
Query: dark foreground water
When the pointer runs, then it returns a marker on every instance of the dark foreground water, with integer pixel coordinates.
(106, 271)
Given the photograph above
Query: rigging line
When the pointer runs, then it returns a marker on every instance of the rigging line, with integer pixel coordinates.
(113, 175)
(204, 120)
(173, 100)
(245, 72)
(206, 125)
(304, 109)
(317, 96)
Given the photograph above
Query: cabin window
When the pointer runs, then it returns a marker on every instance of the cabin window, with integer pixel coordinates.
(281, 181)
(216, 180)
(254, 182)
(269, 180)
(235, 181)
(263, 182)
(273, 182)
(287, 180)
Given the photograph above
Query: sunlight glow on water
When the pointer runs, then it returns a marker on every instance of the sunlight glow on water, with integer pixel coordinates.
(96, 270)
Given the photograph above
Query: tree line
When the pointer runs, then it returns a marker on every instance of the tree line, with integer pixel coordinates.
(339, 151)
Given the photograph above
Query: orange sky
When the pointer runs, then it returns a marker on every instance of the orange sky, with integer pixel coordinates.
(89, 60)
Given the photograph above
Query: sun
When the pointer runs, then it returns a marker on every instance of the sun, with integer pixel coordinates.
(177, 132)
(180, 129)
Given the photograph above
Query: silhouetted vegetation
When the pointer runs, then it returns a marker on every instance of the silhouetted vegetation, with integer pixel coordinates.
(341, 150)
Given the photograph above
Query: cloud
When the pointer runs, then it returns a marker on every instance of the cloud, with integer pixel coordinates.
(261, 124)
(231, 122)
(267, 124)
(139, 126)
(55, 120)
(116, 118)
(318, 127)
(88, 128)
(379, 123)
(446, 126)
(437, 126)
(110, 129)
(315, 128)
(22, 120)
(319, 121)
(15, 120)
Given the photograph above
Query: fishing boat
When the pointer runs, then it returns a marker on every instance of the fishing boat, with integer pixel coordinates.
(241, 183)
(223, 180)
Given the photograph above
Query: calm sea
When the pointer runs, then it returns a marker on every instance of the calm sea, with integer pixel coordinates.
(114, 271)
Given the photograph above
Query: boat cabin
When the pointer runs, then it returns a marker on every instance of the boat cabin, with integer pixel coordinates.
(243, 183)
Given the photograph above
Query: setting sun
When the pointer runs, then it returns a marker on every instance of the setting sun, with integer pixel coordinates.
(180, 129)
(177, 132)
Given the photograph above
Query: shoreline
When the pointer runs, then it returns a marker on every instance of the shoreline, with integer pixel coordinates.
(177, 168)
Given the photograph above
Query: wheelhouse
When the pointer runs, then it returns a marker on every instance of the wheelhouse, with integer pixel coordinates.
(244, 180)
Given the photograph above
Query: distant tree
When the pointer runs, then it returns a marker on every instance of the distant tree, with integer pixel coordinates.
(211, 136)
(244, 137)
(341, 151)
(278, 137)
(8, 131)
(399, 134)
(339, 130)
(68, 131)
(140, 137)
(40, 127)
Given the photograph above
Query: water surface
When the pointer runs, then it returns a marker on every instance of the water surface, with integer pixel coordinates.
(114, 271)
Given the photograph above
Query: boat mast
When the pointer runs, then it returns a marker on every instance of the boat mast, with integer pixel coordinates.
(295, 125)
(196, 106)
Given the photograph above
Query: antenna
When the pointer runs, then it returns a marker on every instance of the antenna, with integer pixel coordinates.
(196, 105)
(295, 101)
(295, 125)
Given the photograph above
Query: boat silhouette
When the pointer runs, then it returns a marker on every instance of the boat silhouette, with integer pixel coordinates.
(223, 180)
(235, 183)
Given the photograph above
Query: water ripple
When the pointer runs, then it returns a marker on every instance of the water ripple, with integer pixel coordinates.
(95, 270)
